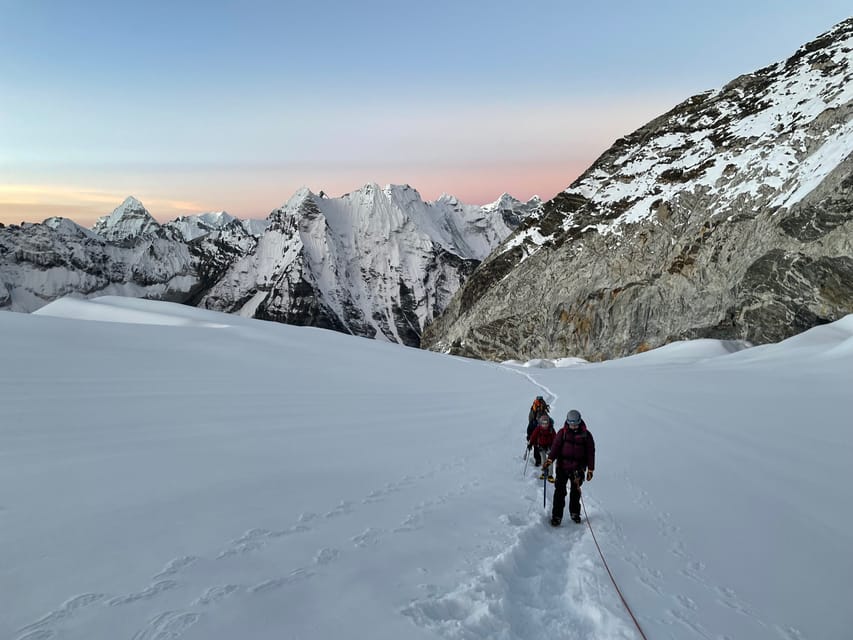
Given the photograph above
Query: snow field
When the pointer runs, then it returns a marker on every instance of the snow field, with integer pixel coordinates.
(170, 472)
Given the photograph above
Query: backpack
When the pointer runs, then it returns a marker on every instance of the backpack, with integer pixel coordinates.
(539, 407)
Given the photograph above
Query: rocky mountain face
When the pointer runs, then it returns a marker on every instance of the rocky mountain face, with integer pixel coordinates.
(730, 217)
(128, 220)
(127, 253)
(379, 263)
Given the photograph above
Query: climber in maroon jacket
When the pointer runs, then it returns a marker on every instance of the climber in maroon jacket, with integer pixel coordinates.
(540, 441)
(573, 451)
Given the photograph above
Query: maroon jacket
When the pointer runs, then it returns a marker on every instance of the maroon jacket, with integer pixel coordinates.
(543, 436)
(574, 449)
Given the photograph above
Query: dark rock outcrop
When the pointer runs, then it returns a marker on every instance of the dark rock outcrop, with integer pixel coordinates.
(730, 216)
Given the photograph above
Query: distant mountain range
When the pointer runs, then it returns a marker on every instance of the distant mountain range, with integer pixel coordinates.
(730, 216)
(379, 263)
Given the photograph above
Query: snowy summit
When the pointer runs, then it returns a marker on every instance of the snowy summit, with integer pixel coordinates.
(130, 219)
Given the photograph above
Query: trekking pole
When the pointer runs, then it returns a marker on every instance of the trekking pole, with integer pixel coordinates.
(544, 489)
(526, 460)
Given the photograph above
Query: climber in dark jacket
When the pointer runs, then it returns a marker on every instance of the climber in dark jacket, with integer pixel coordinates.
(539, 408)
(541, 440)
(573, 451)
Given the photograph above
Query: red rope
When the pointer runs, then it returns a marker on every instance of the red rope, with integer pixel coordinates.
(612, 579)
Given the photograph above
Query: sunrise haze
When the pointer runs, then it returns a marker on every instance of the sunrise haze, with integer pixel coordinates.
(199, 106)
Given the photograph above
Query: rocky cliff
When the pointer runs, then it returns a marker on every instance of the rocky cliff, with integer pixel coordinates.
(731, 216)
(378, 262)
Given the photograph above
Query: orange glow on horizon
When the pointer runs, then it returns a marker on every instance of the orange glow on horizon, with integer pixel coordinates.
(523, 150)
(84, 205)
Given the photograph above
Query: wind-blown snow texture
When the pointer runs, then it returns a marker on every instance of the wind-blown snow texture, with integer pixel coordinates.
(172, 472)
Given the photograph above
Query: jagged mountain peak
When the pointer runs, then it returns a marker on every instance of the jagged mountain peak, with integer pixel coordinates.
(212, 219)
(377, 262)
(130, 219)
(504, 201)
(299, 195)
(399, 188)
(195, 226)
(505, 197)
(297, 200)
(302, 203)
(507, 201)
(130, 202)
(383, 200)
(67, 226)
(403, 194)
(216, 218)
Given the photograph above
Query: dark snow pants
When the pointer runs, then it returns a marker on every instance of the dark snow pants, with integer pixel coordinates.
(565, 477)
(531, 426)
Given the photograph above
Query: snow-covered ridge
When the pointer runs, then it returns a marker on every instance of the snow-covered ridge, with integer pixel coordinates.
(129, 220)
(195, 226)
(132, 220)
(727, 217)
(130, 311)
(377, 262)
(774, 133)
(770, 136)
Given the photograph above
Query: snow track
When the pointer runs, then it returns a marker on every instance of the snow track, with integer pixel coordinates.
(545, 584)
(197, 505)
(537, 581)
(550, 397)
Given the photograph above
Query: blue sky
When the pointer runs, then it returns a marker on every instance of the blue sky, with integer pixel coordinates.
(193, 106)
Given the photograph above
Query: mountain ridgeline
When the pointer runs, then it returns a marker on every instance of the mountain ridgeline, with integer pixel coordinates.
(729, 217)
(378, 263)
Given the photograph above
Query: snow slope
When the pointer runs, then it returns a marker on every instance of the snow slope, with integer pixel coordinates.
(171, 472)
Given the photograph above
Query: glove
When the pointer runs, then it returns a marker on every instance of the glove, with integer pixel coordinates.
(529, 446)
(589, 475)
(547, 463)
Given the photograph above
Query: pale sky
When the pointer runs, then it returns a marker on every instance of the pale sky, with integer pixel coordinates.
(223, 105)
